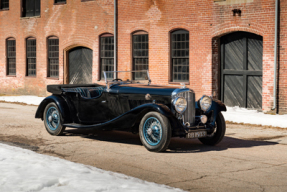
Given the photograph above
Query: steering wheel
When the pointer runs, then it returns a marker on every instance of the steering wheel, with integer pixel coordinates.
(117, 80)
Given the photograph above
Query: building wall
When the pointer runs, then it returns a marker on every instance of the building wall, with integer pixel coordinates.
(206, 22)
(81, 23)
(75, 24)
(282, 65)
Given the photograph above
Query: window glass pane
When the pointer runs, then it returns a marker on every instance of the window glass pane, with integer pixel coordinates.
(60, 1)
(11, 57)
(31, 8)
(107, 56)
(4, 4)
(53, 57)
(31, 57)
(180, 55)
(140, 55)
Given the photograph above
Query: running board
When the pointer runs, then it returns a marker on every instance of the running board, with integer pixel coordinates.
(75, 125)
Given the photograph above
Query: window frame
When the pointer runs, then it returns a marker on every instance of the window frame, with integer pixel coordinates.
(171, 79)
(106, 35)
(139, 33)
(7, 58)
(35, 12)
(60, 3)
(27, 63)
(48, 58)
(5, 8)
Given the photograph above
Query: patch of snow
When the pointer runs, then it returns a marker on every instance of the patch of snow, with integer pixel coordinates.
(27, 99)
(242, 115)
(24, 170)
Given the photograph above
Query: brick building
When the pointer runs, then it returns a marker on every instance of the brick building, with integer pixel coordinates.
(219, 47)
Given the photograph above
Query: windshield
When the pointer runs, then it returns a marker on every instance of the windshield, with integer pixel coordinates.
(124, 77)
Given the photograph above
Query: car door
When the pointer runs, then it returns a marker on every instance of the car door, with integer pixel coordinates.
(93, 110)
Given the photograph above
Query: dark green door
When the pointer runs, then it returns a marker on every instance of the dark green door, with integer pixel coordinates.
(241, 70)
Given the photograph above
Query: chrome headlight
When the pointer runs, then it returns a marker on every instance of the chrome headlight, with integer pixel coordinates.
(205, 103)
(180, 104)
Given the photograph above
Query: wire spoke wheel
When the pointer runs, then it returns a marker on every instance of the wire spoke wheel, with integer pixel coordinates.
(53, 119)
(152, 131)
(155, 132)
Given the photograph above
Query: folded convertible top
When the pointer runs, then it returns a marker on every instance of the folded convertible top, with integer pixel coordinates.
(57, 89)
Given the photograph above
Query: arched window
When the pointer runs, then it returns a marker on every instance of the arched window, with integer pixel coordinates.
(31, 56)
(11, 56)
(140, 53)
(180, 55)
(53, 57)
(107, 55)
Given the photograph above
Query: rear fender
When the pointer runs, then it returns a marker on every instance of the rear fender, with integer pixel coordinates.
(60, 102)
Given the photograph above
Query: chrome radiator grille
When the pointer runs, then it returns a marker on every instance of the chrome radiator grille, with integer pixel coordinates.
(189, 114)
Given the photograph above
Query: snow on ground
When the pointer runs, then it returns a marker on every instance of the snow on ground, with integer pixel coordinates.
(234, 114)
(24, 170)
(242, 115)
(30, 100)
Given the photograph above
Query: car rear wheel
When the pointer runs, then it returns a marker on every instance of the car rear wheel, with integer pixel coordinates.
(155, 132)
(218, 134)
(53, 119)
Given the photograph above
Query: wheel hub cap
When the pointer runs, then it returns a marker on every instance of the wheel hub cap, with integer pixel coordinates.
(50, 118)
(149, 131)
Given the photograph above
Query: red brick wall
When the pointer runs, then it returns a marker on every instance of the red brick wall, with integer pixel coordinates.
(282, 91)
(80, 23)
(75, 24)
(206, 21)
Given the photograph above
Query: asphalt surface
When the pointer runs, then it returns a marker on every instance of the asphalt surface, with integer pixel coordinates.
(250, 158)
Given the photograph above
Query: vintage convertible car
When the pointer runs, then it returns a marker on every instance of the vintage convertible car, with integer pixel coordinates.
(156, 112)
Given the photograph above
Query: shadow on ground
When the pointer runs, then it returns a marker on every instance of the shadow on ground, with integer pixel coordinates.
(177, 145)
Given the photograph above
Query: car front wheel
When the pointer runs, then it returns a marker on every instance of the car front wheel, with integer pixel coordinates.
(53, 119)
(155, 132)
(218, 134)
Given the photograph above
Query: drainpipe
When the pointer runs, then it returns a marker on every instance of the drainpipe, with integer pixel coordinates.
(275, 57)
(115, 38)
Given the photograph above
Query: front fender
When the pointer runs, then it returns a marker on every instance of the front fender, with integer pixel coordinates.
(131, 119)
(60, 102)
(162, 109)
(216, 107)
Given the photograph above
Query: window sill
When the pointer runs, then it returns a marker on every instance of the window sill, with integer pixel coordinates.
(38, 16)
(5, 9)
(53, 78)
(178, 83)
(11, 76)
(62, 3)
(86, 0)
(31, 76)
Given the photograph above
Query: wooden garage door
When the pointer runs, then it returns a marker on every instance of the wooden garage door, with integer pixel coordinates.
(80, 65)
(241, 70)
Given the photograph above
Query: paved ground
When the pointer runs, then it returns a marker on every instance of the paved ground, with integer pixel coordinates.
(248, 159)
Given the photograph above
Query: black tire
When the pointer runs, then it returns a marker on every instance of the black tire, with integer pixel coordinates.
(218, 133)
(155, 132)
(53, 119)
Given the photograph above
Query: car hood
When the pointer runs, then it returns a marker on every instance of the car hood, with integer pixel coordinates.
(143, 89)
